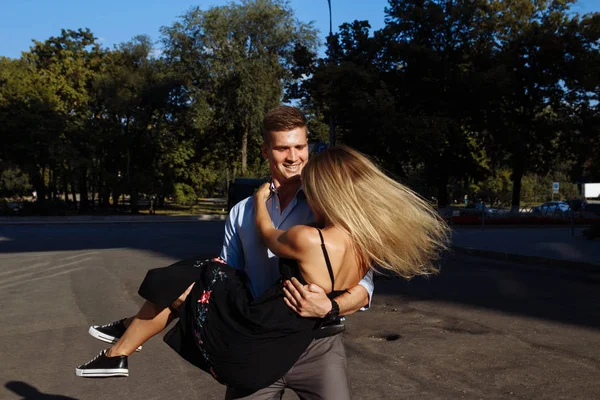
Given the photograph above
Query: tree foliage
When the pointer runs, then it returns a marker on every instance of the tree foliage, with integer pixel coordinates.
(453, 91)
(83, 120)
(488, 98)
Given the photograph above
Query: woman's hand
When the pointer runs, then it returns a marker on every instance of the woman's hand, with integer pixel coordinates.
(262, 218)
(263, 192)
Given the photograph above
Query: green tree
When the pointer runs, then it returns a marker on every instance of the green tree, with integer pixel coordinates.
(406, 88)
(351, 87)
(31, 122)
(524, 117)
(64, 66)
(238, 57)
(495, 189)
(582, 79)
(13, 182)
(142, 136)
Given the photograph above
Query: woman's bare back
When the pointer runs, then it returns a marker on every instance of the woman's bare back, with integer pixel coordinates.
(344, 262)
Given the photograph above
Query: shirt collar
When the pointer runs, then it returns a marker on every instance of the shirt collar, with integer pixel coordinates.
(299, 194)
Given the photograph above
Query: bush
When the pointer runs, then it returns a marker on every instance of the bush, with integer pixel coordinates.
(13, 182)
(185, 194)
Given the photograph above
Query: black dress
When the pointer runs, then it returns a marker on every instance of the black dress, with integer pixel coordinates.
(244, 343)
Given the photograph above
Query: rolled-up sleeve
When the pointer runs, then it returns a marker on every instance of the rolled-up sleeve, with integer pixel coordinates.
(232, 251)
(367, 283)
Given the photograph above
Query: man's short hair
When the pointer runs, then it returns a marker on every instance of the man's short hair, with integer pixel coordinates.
(281, 119)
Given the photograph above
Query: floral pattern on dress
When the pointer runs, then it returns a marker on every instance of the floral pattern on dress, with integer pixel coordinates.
(219, 260)
(218, 275)
(205, 297)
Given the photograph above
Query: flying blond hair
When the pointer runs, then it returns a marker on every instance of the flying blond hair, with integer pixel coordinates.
(391, 226)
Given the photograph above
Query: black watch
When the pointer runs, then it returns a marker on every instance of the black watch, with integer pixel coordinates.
(334, 313)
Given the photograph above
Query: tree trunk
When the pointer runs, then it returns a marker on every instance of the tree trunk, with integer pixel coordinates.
(442, 189)
(133, 195)
(244, 151)
(517, 176)
(161, 200)
(93, 189)
(105, 187)
(133, 200)
(116, 194)
(441, 180)
(74, 190)
(535, 190)
(52, 184)
(37, 181)
(65, 185)
(83, 190)
(105, 201)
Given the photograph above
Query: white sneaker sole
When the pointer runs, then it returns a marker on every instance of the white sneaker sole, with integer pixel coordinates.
(104, 337)
(101, 373)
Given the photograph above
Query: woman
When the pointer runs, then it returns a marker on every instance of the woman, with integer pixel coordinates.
(367, 219)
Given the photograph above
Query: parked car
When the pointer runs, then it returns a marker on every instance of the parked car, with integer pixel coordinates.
(552, 208)
(477, 209)
(577, 204)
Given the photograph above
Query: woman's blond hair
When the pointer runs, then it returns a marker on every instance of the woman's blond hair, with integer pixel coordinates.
(391, 226)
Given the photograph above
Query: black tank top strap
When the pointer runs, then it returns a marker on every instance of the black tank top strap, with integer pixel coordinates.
(329, 268)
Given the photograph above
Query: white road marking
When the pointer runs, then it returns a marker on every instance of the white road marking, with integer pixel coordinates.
(40, 278)
(17, 269)
(47, 269)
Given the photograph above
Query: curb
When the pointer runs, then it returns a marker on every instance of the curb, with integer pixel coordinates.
(118, 219)
(580, 266)
(565, 226)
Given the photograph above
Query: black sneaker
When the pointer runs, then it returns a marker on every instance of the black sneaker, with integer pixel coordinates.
(110, 333)
(102, 366)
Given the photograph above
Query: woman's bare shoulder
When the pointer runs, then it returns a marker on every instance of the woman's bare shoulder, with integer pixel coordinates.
(303, 236)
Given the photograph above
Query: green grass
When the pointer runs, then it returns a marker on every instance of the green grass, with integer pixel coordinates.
(202, 207)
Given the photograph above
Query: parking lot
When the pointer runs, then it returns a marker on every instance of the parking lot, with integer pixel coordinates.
(482, 329)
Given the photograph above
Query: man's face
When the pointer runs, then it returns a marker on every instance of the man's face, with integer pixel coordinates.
(287, 152)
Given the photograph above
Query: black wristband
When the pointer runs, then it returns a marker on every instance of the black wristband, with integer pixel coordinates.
(334, 313)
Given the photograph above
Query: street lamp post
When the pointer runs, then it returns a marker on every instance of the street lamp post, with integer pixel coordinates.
(329, 43)
(330, 24)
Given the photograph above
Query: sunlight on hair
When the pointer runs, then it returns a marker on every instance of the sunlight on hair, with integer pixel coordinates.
(392, 227)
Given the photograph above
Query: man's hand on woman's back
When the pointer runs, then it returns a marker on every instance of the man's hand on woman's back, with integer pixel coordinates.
(312, 301)
(306, 300)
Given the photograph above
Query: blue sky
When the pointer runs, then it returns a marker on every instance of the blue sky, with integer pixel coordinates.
(116, 21)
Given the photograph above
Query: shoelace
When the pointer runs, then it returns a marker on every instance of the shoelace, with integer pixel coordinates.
(112, 324)
(94, 359)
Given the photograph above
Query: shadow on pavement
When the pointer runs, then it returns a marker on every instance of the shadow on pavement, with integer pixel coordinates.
(28, 392)
(548, 293)
(176, 240)
(536, 291)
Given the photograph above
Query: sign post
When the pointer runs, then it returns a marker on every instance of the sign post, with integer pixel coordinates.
(555, 186)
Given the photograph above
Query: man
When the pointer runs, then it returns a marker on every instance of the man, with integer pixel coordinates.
(320, 373)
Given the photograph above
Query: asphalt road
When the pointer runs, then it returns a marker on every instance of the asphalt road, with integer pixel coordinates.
(482, 329)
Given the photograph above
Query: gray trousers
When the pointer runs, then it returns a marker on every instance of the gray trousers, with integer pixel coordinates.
(319, 374)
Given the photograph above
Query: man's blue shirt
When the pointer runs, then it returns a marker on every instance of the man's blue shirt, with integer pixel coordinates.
(243, 249)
